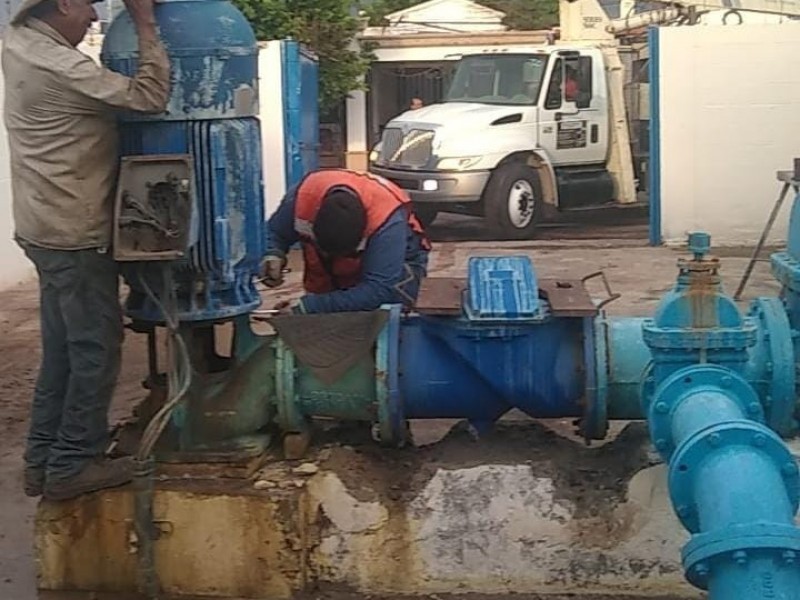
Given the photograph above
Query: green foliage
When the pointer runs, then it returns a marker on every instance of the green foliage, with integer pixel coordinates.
(327, 28)
(520, 14)
(377, 10)
(527, 14)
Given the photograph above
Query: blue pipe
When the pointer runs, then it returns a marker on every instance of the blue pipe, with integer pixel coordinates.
(456, 368)
(733, 483)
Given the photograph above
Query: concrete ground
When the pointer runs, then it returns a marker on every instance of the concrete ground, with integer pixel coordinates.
(640, 273)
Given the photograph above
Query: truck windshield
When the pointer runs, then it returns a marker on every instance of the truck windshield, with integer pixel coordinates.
(513, 79)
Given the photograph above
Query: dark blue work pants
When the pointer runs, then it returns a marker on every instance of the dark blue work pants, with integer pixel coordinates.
(81, 328)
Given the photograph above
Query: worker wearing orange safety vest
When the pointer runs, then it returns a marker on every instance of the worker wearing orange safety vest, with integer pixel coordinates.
(362, 244)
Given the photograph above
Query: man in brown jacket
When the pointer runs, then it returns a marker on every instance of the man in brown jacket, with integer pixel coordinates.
(60, 116)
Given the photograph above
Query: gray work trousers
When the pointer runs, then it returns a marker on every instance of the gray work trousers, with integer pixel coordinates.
(81, 328)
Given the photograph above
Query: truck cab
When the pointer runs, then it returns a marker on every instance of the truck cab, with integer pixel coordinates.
(521, 132)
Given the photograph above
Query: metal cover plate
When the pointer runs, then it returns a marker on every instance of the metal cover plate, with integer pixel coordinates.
(441, 295)
(567, 297)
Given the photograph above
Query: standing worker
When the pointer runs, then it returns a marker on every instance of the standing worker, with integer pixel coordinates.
(362, 244)
(59, 112)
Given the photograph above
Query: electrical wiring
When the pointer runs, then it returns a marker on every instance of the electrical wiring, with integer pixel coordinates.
(179, 370)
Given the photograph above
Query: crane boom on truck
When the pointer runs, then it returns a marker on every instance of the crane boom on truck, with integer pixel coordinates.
(527, 132)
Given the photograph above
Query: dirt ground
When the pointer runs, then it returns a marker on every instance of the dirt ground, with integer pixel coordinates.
(639, 272)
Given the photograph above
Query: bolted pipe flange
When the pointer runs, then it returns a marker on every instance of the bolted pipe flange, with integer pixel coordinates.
(693, 380)
(392, 426)
(683, 475)
(777, 364)
(739, 544)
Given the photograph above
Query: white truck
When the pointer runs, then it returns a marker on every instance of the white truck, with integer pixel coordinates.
(525, 133)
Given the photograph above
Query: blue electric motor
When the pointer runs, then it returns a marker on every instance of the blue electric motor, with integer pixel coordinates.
(206, 150)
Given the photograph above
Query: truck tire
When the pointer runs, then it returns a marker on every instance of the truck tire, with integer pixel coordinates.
(426, 214)
(513, 202)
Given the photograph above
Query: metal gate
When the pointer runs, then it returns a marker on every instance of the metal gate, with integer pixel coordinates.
(301, 117)
(392, 86)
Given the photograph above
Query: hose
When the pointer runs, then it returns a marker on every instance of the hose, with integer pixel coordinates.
(179, 380)
(179, 369)
(144, 526)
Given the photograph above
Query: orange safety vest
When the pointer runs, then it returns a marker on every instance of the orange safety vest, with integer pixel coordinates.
(380, 197)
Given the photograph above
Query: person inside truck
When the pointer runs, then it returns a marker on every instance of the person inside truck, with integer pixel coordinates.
(564, 83)
(415, 104)
(571, 85)
(363, 246)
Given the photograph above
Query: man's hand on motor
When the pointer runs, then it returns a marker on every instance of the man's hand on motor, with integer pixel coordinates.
(272, 271)
(141, 12)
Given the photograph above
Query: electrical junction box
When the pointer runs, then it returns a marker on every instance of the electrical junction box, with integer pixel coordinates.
(153, 212)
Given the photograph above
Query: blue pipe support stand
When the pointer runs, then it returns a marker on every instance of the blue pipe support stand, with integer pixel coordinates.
(733, 482)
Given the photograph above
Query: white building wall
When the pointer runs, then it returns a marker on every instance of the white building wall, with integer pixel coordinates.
(14, 267)
(270, 68)
(729, 120)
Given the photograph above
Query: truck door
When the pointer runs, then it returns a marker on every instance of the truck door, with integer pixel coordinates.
(573, 122)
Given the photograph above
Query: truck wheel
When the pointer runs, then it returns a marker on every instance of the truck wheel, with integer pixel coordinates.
(513, 201)
(426, 214)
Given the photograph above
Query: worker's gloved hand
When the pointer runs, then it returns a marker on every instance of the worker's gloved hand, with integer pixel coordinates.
(290, 307)
(272, 271)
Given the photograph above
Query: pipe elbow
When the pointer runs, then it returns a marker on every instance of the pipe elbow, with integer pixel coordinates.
(733, 483)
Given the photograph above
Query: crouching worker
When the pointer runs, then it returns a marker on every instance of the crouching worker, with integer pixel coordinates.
(362, 244)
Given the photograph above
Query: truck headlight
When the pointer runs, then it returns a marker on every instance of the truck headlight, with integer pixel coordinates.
(373, 156)
(457, 163)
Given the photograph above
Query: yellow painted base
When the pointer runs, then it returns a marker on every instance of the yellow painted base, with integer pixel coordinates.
(381, 525)
(222, 544)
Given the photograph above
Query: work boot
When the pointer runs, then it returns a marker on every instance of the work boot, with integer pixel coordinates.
(98, 474)
(33, 481)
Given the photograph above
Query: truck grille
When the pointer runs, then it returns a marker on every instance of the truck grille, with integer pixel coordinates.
(412, 149)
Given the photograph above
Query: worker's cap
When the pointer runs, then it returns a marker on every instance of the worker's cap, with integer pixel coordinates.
(25, 8)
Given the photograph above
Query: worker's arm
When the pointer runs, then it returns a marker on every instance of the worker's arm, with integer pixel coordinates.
(281, 234)
(148, 91)
(383, 268)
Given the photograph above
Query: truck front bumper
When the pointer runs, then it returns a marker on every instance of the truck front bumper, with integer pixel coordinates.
(438, 186)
